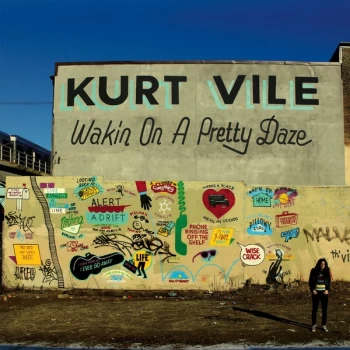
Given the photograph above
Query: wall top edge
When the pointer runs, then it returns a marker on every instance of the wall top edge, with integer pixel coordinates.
(59, 64)
(101, 178)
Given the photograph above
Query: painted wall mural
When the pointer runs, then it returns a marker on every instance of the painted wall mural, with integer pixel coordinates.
(75, 232)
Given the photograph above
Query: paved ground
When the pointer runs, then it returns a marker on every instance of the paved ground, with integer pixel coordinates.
(252, 316)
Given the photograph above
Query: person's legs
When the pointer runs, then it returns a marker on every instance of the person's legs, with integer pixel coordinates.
(324, 303)
(143, 270)
(139, 268)
(315, 302)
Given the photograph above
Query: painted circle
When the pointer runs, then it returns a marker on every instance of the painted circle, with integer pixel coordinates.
(137, 225)
(142, 255)
(284, 198)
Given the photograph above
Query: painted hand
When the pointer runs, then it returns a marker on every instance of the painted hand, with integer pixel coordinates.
(145, 201)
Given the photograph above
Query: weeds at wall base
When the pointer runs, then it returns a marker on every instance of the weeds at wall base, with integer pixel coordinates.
(219, 289)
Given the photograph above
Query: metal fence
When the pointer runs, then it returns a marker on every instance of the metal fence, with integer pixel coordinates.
(20, 158)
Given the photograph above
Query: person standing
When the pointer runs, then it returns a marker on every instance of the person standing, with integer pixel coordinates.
(320, 285)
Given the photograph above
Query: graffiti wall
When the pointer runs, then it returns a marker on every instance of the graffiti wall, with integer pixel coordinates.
(82, 232)
(200, 122)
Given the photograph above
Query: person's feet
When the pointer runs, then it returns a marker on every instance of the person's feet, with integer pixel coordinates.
(324, 328)
(313, 328)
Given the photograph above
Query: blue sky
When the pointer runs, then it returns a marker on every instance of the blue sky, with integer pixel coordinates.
(34, 34)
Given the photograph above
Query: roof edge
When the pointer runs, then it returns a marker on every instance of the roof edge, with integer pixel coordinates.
(335, 56)
(100, 63)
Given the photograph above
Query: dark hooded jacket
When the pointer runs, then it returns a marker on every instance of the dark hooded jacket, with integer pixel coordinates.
(313, 279)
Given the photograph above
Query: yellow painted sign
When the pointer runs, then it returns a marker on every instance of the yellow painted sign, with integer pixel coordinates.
(88, 192)
(143, 257)
(221, 236)
(286, 256)
(27, 254)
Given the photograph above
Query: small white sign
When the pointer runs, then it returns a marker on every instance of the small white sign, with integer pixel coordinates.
(57, 210)
(54, 190)
(14, 193)
(19, 194)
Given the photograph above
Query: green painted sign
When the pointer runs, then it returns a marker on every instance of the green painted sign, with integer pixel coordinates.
(57, 195)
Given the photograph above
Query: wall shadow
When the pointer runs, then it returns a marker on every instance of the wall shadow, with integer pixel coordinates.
(272, 317)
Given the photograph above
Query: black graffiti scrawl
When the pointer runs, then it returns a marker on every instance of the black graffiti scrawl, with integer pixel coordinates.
(83, 266)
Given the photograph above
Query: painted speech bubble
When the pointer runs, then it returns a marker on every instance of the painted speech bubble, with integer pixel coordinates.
(252, 254)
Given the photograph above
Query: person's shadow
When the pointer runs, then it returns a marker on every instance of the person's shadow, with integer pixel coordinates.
(272, 317)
